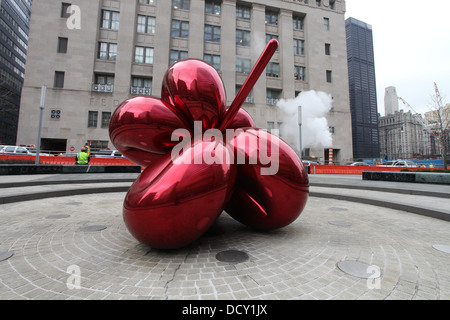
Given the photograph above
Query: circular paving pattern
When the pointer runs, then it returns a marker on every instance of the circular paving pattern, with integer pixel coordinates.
(54, 259)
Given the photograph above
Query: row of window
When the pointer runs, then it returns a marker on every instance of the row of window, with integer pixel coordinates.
(108, 51)
(105, 83)
(110, 19)
(180, 28)
(214, 6)
(93, 119)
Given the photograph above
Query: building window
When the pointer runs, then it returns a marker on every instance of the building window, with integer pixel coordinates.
(270, 126)
(270, 37)
(212, 33)
(213, 7)
(213, 60)
(327, 49)
(104, 79)
(97, 145)
(141, 86)
(62, 45)
(273, 69)
(243, 65)
(329, 76)
(271, 17)
(146, 24)
(106, 117)
(332, 4)
(110, 20)
(272, 96)
(176, 55)
(144, 55)
(243, 12)
(300, 73)
(326, 24)
(299, 47)
(298, 22)
(92, 119)
(318, 3)
(280, 129)
(107, 51)
(332, 130)
(59, 79)
(103, 83)
(249, 98)
(152, 2)
(242, 37)
(65, 10)
(181, 4)
(180, 29)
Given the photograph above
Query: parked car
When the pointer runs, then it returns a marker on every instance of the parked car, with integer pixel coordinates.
(68, 154)
(359, 164)
(19, 150)
(309, 163)
(107, 154)
(33, 151)
(399, 163)
(3, 147)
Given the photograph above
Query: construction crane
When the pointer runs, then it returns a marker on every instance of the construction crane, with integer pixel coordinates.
(420, 118)
(438, 96)
(443, 122)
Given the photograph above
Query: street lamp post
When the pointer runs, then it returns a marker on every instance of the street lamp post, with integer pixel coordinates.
(300, 131)
(41, 107)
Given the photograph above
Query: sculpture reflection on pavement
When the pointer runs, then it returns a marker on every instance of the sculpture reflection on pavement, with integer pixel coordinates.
(179, 195)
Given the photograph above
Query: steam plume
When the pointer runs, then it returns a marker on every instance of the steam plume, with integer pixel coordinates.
(314, 107)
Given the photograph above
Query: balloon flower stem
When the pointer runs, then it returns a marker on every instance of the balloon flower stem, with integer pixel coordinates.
(249, 83)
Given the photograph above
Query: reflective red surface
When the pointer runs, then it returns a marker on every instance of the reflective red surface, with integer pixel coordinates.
(172, 204)
(195, 92)
(180, 194)
(272, 199)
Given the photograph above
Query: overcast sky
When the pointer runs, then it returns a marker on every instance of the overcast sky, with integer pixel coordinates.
(412, 47)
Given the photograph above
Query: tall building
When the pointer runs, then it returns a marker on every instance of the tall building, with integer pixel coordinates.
(390, 101)
(363, 93)
(403, 135)
(94, 54)
(14, 23)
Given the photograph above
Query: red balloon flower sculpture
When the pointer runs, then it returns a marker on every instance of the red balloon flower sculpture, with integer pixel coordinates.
(222, 162)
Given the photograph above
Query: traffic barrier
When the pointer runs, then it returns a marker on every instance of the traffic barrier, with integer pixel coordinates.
(314, 169)
(65, 160)
(350, 170)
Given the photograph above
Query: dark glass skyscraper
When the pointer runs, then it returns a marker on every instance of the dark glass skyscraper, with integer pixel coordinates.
(363, 93)
(14, 24)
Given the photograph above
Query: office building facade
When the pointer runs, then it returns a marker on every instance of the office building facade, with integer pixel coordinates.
(92, 55)
(404, 135)
(363, 94)
(14, 24)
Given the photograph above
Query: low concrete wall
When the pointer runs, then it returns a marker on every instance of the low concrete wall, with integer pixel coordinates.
(413, 177)
(18, 169)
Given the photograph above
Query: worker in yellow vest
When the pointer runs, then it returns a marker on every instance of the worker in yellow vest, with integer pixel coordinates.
(88, 149)
(431, 166)
(82, 157)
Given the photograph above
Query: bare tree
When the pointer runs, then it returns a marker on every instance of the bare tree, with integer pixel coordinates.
(443, 116)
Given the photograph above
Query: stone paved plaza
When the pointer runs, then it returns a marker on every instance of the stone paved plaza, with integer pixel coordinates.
(77, 247)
